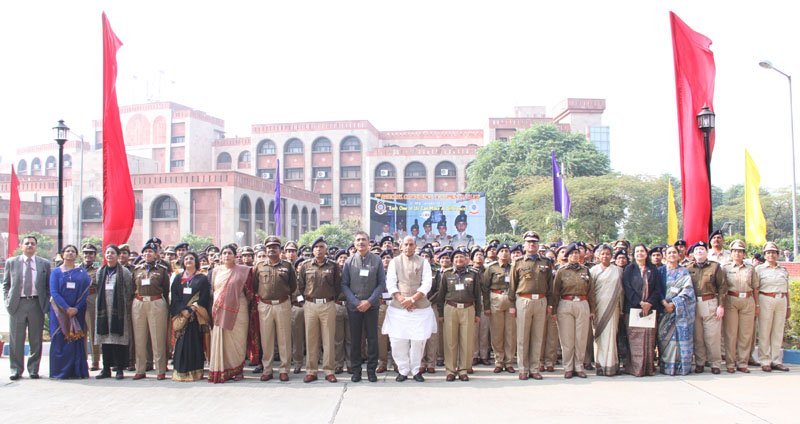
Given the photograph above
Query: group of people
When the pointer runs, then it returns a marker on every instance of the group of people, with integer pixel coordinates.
(611, 308)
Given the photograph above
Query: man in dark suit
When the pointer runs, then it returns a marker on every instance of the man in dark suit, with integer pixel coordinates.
(26, 290)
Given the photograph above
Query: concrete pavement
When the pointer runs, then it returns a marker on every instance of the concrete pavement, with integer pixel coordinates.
(743, 398)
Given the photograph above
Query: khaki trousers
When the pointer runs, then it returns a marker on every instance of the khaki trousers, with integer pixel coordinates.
(298, 336)
(771, 322)
(551, 343)
(480, 350)
(432, 344)
(459, 329)
(91, 321)
(573, 318)
(150, 323)
(707, 334)
(531, 317)
(739, 328)
(320, 324)
(503, 330)
(383, 339)
(275, 325)
(342, 339)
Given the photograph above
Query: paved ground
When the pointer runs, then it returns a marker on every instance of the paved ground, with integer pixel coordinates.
(756, 397)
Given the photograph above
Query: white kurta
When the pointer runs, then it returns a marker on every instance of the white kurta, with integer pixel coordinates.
(418, 324)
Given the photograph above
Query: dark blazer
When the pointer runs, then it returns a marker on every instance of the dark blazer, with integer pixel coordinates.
(633, 285)
(13, 281)
(357, 288)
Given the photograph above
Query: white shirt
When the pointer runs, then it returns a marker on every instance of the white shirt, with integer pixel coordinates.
(391, 278)
(22, 259)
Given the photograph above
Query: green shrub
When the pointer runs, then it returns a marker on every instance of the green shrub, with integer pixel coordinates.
(792, 336)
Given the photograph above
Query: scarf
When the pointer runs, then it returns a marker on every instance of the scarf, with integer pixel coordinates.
(226, 305)
(117, 306)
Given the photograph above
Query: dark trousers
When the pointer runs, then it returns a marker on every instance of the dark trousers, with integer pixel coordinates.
(115, 356)
(359, 322)
(27, 319)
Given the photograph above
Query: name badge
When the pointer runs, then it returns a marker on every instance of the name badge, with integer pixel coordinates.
(459, 306)
(674, 290)
(743, 295)
(508, 279)
(460, 286)
(70, 285)
(187, 290)
(576, 299)
(534, 297)
(109, 286)
(145, 281)
(300, 298)
(386, 295)
(364, 272)
(319, 301)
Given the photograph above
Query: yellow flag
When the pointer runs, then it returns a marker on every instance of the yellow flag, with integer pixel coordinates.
(754, 223)
(672, 217)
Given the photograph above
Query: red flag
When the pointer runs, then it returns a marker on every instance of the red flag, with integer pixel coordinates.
(13, 215)
(694, 85)
(118, 202)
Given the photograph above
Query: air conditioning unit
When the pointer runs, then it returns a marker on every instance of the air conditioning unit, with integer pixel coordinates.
(444, 172)
(343, 203)
(384, 172)
(52, 165)
(266, 175)
(67, 163)
(322, 201)
(322, 174)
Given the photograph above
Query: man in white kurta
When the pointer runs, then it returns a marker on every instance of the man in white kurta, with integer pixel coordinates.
(409, 318)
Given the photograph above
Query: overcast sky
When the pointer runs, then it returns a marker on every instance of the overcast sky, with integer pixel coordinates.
(409, 65)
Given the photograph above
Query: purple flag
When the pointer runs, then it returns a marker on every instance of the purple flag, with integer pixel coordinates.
(560, 195)
(277, 209)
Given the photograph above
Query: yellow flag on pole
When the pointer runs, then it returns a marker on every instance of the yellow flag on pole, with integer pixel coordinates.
(672, 217)
(755, 226)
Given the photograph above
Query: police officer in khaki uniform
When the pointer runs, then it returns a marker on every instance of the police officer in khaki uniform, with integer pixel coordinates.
(773, 300)
(275, 281)
(531, 282)
(298, 320)
(572, 300)
(740, 310)
(717, 252)
(710, 288)
(150, 310)
(319, 280)
(496, 283)
(460, 294)
(480, 354)
(89, 255)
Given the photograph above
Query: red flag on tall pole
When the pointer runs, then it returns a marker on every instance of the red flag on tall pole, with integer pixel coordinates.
(694, 85)
(13, 215)
(118, 202)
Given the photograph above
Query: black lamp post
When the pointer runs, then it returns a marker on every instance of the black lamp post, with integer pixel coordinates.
(60, 132)
(705, 121)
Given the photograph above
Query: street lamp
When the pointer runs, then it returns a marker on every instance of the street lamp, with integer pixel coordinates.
(768, 65)
(513, 223)
(705, 121)
(730, 225)
(60, 132)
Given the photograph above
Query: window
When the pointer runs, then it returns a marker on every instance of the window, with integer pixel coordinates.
(224, 161)
(244, 156)
(244, 208)
(351, 172)
(176, 163)
(266, 173)
(351, 144)
(92, 210)
(137, 210)
(320, 145)
(293, 174)
(321, 173)
(294, 145)
(36, 164)
(50, 163)
(385, 170)
(351, 200)
(98, 140)
(178, 139)
(266, 147)
(67, 161)
(22, 167)
(415, 170)
(325, 199)
(165, 208)
(445, 169)
(50, 206)
(219, 135)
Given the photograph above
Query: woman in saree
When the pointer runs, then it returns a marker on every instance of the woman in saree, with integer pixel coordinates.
(230, 314)
(608, 294)
(69, 288)
(676, 329)
(113, 330)
(641, 281)
(190, 301)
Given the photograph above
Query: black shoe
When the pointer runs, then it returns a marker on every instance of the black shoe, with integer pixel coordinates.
(15, 377)
(258, 369)
(401, 378)
(418, 377)
(119, 375)
(356, 377)
(439, 363)
(34, 376)
(372, 377)
(106, 373)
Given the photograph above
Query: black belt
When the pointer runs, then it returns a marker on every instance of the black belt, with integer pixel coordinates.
(29, 297)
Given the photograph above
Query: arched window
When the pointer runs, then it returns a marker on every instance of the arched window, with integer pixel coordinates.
(266, 147)
(36, 166)
(351, 144)
(445, 169)
(91, 210)
(244, 208)
(67, 161)
(22, 167)
(165, 208)
(415, 170)
(260, 214)
(304, 220)
(313, 219)
(224, 161)
(385, 170)
(244, 156)
(321, 145)
(50, 163)
(271, 218)
(295, 223)
(294, 145)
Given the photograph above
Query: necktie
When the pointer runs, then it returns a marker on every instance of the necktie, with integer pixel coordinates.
(27, 287)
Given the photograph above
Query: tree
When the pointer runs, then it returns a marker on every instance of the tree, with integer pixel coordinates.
(499, 166)
(335, 235)
(197, 243)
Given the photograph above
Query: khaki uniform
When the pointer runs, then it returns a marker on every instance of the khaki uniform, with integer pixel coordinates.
(342, 337)
(572, 299)
(773, 301)
(320, 285)
(91, 313)
(740, 311)
(482, 343)
(496, 282)
(150, 312)
(711, 291)
(432, 345)
(722, 257)
(529, 287)
(460, 296)
(274, 285)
